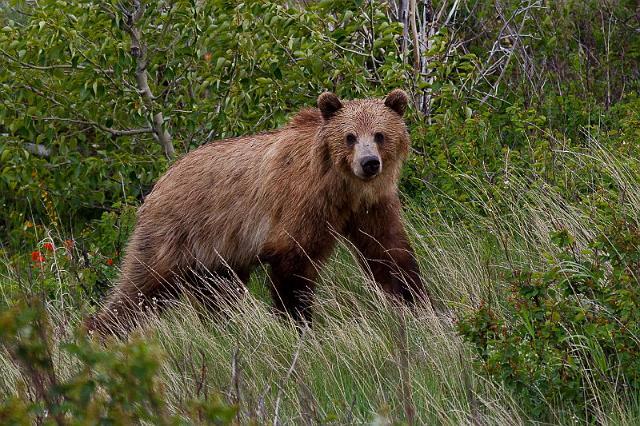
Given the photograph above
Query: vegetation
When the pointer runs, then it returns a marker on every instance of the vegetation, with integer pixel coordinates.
(521, 193)
(576, 317)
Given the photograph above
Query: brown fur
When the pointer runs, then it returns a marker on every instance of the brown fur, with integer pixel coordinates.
(277, 198)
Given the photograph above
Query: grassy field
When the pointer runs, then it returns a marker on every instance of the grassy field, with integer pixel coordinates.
(365, 360)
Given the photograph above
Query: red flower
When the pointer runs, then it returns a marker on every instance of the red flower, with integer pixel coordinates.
(37, 256)
(109, 262)
(48, 246)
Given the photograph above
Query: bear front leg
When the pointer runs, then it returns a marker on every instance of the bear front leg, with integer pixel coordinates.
(292, 287)
(379, 236)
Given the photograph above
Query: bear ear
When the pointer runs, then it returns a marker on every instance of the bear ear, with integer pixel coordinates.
(397, 100)
(329, 104)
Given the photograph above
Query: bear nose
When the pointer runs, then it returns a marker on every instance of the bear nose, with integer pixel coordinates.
(370, 165)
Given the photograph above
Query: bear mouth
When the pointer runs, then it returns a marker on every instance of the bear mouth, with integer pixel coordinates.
(365, 177)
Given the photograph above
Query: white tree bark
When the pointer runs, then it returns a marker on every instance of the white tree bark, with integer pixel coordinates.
(139, 51)
(403, 17)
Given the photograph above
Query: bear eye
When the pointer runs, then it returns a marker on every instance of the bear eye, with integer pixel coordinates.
(351, 139)
(378, 138)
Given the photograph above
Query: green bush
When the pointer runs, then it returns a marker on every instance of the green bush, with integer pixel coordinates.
(569, 332)
(88, 260)
(216, 69)
(114, 385)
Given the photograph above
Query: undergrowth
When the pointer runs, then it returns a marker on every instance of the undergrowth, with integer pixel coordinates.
(542, 291)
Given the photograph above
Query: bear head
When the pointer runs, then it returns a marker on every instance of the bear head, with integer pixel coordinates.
(366, 139)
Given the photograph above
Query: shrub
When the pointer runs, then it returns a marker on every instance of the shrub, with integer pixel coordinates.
(569, 332)
(118, 385)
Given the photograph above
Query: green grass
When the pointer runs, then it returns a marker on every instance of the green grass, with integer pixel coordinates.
(367, 360)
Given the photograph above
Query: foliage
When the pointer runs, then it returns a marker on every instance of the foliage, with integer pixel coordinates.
(88, 260)
(570, 331)
(220, 69)
(117, 385)
(69, 87)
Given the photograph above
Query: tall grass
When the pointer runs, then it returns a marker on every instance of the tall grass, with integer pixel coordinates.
(365, 359)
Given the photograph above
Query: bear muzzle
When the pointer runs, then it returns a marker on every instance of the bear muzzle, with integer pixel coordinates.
(366, 163)
(370, 166)
(367, 167)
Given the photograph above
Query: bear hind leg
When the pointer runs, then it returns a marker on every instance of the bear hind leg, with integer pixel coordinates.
(135, 296)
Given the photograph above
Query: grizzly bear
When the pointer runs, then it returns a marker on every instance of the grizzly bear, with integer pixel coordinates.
(278, 198)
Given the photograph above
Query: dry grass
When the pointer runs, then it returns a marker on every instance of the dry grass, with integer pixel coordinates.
(366, 360)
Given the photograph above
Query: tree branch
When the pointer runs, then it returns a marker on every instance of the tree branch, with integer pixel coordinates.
(114, 132)
(41, 94)
(403, 17)
(510, 55)
(139, 52)
(40, 67)
(417, 52)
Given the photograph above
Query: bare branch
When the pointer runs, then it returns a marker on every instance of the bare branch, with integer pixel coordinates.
(510, 55)
(41, 94)
(114, 132)
(403, 17)
(139, 52)
(127, 132)
(417, 52)
(40, 67)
